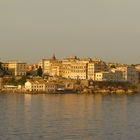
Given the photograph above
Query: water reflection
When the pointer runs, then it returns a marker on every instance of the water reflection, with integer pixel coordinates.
(69, 116)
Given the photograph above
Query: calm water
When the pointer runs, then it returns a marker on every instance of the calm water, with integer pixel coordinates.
(69, 117)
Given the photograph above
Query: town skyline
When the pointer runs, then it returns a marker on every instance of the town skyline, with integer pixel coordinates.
(36, 60)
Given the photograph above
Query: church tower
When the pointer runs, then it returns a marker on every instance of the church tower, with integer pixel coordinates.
(53, 57)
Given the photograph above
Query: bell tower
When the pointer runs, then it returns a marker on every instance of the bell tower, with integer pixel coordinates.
(53, 57)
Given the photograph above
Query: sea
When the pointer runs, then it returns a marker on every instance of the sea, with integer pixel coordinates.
(69, 117)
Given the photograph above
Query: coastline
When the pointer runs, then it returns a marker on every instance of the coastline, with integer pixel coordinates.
(100, 91)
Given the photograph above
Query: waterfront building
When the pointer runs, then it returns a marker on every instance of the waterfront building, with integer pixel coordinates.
(16, 68)
(34, 85)
(78, 70)
(129, 74)
(74, 68)
(10, 87)
(51, 66)
(84, 68)
(116, 76)
(40, 85)
(96, 66)
(51, 87)
(66, 67)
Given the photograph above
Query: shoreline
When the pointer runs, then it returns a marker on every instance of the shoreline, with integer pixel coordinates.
(102, 92)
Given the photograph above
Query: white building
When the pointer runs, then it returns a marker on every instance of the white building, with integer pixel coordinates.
(40, 86)
(129, 74)
(116, 76)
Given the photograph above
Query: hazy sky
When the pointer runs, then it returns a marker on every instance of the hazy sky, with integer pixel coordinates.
(35, 29)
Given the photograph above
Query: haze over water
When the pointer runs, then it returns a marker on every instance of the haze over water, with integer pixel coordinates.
(69, 117)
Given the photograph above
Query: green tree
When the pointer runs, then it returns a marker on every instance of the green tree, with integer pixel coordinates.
(0, 65)
(22, 80)
(39, 71)
(112, 66)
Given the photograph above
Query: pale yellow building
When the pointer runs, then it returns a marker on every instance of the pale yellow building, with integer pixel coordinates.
(66, 68)
(78, 70)
(51, 66)
(72, 67)
(96, 66)
(16, 68)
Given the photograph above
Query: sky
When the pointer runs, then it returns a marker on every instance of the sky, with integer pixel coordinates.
(34, 29)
